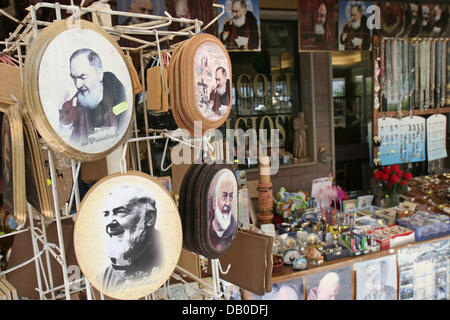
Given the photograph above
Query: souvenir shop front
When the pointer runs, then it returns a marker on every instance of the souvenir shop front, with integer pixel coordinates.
(224, 150)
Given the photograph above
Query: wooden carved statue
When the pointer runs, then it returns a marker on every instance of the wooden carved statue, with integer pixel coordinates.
(300, 143)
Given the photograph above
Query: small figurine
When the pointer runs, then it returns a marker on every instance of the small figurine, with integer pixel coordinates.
(300, 264)
(290, 256)
(300, 141)
(313, 256)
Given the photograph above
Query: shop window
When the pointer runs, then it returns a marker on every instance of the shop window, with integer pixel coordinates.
(266, 85)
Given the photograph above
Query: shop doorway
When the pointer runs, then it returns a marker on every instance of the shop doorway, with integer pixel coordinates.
(352, 93)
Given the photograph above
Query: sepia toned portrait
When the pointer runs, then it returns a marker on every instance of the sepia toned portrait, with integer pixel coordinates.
(222, 209)
(89, 100)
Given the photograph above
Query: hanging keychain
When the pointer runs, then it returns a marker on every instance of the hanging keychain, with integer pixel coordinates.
(444, 94)
(389, 75)
(427, 73)
(405, 100)
(395, 77)
(438, 74)
(411, 74)
(417, 72)
(383, 76)
(432, 72)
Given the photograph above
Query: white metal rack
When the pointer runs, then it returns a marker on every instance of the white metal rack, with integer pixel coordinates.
(27, 30)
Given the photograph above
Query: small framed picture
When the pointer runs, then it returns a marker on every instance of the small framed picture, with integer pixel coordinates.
(166, 182)
(364, 201)
(348, 205)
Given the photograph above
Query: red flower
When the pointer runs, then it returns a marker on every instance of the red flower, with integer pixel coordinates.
(377, 175)
(395, 168)
(399, 173)
(387, 170)
(389, 185)
(394, 179)
(403, 183)
(407, 176)
(384, 176)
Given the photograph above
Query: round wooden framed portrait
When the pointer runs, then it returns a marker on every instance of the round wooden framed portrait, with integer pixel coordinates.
(209, 209)
(79, 90)
(222, 210)
(392, 19)
(440, 20)
(208, 80)
(35, 179)
(426, 27)
(13, 165)
(128, 235)
(177, 106)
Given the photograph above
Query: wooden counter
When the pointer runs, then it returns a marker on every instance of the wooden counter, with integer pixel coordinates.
(286, 273)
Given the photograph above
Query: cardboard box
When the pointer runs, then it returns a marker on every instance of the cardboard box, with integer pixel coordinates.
(93, 171)
(11, 83)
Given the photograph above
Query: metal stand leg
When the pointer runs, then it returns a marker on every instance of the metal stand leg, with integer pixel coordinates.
(58, 224)
(35, 251)
(47, 257)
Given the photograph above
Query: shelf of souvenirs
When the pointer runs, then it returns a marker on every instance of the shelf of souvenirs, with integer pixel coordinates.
(286, 272)
(318, 240)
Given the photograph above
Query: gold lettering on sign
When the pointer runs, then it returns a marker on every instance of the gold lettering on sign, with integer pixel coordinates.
(263, 120)
(274, 83)
(236, 124)
(280, 126)
(228, 124)
(253, 119)
(239, 85)
(255, 85)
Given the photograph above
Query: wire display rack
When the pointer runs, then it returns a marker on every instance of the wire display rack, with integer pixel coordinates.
(26, 31)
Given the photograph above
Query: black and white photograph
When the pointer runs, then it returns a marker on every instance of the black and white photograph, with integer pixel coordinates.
(133, 244)
(89, 100)
(288, 290)
(133, 226)
(222, 207)
(333, 285)
(239, 27)
(377, 279)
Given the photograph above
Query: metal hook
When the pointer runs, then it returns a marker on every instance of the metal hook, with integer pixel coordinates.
(221, 6)
(123, 160)
(166, 90)
(220, 267)
(164, 157)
